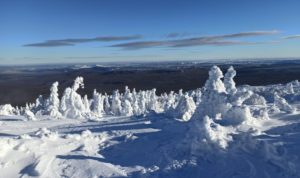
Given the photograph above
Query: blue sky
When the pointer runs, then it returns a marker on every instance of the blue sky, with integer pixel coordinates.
(66, 31)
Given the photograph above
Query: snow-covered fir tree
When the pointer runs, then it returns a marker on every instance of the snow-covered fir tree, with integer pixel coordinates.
(98, 104)
(72, 105)
(185, 108)
(116, 107)
(228, 80)
(127, 109)
(52, 103)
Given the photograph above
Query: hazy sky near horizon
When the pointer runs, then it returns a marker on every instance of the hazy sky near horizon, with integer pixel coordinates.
(66, 31)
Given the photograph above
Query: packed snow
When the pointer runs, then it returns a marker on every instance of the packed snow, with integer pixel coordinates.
(220, 130)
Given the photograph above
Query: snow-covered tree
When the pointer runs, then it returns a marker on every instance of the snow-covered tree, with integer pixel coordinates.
(127, 109)
(128, 94)
(142, 102)
(98, 104)
(152, 99)
(228, 80)
(116, 107)
(52, 103)
(135, 108)
(289, 88)
(29, 115)
(214, 82)
(7, 110)
(220, 104)
(170, 100)
(86, 104)
(72, 105)
(107, 108)
(214, 98)
(185, 108)
(39, 105)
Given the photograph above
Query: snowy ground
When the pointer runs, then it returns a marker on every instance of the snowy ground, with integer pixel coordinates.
(142, 147)
(222, 131)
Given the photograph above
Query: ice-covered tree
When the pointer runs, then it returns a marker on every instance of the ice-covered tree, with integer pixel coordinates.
(228, 80)
(107, 108)
(214, 97)
(116, 107)
(98, 104)
(72, 105)
(169, 101)
(185, 108)
(39, 105)
(7, 110)
(289, 88)
(152, 98)
(127, 109)
(220, 104)
(142, 102)
(214, 82)
(29, 115)
(86, 104)
(52, 103)
(197, 95)
(135, 108)
(128, 94)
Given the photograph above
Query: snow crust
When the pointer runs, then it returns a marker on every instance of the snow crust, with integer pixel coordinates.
(220, 130)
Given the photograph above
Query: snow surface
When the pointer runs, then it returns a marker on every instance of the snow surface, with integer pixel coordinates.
(219, 130)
